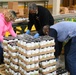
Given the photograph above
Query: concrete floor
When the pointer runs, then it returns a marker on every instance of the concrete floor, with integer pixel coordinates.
(61, 62)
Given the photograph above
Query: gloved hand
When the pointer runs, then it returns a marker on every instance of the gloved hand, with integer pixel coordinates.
(36, 35)
(28, 32)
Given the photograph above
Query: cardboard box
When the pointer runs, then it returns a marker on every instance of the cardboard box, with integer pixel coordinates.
(2, 10)
(26, 12)
(13, 6)
(21, 12)
(64, 10)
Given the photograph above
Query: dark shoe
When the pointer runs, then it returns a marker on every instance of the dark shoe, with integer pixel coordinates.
(1, 63)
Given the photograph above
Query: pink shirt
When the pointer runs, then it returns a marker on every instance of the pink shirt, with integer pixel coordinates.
(5, 26)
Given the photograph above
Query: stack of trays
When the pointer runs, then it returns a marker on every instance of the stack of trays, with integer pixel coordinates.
(28, 57)
(47, 59)
(10, 56)
(25, 55)
(62, 71)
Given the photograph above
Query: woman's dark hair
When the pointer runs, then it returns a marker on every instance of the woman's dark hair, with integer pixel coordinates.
(13, 13)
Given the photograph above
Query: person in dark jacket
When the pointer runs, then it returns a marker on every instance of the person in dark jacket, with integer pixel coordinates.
(64, 32)
(39, 16)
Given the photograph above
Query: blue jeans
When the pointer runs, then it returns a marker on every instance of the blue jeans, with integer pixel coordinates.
(1, 54)
(66, 51)
(71, 56)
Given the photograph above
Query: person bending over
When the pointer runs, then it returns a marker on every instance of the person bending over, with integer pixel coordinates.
(39, 16)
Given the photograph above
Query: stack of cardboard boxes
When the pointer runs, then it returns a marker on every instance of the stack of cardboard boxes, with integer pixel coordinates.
(21, 11)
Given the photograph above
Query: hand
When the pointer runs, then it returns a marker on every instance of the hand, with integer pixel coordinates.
(36, 35)
(28, 32)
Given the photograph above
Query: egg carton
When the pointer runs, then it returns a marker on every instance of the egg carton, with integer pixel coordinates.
(30, 67)
(6, 54)
(14, 60)
(14, 67)
(7, 60)
(47, 70)
(12, 72)
(51, 73)
(27, 62)
(43, 57)
(28, 46)
(62, 71)
(33, 72)
(46, 52)
(48, 63)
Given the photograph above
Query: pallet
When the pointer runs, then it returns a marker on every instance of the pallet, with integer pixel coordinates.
(2, 70)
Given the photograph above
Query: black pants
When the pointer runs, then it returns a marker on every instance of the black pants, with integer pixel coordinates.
(1, 54)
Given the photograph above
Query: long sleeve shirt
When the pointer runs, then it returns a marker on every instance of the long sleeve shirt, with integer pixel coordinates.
(5, 26)
(65, 30)
(61, 32)
(43, 17)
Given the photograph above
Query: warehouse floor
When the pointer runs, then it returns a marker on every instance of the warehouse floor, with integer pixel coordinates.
(60, 62)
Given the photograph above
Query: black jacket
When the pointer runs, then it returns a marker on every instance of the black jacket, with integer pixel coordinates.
(43, 17)
(58, 45)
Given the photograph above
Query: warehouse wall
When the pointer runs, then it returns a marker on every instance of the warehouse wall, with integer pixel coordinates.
(51, 2)
(21, 4)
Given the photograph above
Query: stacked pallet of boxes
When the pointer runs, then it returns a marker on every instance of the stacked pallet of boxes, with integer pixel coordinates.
(6, 56)
(13, 69)
(29, 56)
(47, 62)
(10, 56)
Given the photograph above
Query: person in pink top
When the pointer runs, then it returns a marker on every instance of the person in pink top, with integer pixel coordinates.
(6, 19)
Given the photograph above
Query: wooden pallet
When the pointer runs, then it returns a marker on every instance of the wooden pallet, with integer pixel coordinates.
(2, 70)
